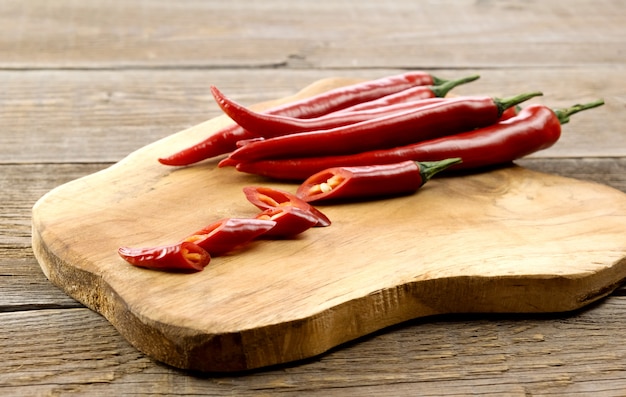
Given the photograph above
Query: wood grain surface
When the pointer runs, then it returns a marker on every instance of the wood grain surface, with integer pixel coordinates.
(84, 84)
(508, 240)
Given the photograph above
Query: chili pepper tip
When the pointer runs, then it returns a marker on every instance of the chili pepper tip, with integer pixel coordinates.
(227, 162)
(170, 161)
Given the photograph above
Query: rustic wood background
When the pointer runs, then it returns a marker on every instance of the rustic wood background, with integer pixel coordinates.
(85, 83)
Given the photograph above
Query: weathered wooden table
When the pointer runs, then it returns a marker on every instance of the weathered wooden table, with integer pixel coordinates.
(83, 85)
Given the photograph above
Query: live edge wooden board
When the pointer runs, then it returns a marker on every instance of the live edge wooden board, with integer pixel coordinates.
(507, 240)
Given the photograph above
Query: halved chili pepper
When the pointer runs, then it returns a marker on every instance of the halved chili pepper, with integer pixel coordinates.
(182, 257)
(227, 234)
(269, 125)
(290, 221)
(224, 140)
(535, 128)
(370, 181)
(449, 117)
(266, 197)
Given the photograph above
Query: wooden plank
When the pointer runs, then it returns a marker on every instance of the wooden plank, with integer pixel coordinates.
(77, 116)
(279, 33)
(23, 285)
(85, 116)
(578, 355)
(22, 186)
(571, 354)
(607, 171)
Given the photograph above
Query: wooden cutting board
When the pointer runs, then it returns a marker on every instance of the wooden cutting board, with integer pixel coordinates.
(509, 240)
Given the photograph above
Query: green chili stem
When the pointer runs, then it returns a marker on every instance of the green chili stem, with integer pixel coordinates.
(438, 81)
(428, 169)
(443, 89)
(504, 104)
(563, 114)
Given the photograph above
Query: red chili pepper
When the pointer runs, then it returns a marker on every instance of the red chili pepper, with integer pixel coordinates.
(227, 234)
(269, 125)
(367, 181)
(535, 128)
(266, 198)
(409, 95)
(225, 140)
(290, 221)
(184, 256)
(228, 162)
(265, 125)
(440, 119)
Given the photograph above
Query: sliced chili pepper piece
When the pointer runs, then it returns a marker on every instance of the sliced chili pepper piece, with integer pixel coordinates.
(182, 257)
(290, 221)
(227, 234)
(369, 181)
(440, 119)
(225, 140)
(535, 128)
(268, 125)
(266, 197)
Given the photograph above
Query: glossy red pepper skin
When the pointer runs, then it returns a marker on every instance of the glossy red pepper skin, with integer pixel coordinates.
(510, 112)
(290, 221)
(409, 95)
(270, 126)
(265, 198)
(369, 181)
(436, 120)
(180, 257)
(225, 140)
(534, 128)
(228, 162)
(228, 234)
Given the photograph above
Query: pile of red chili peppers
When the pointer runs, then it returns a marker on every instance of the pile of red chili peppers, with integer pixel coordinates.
(377, 138)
